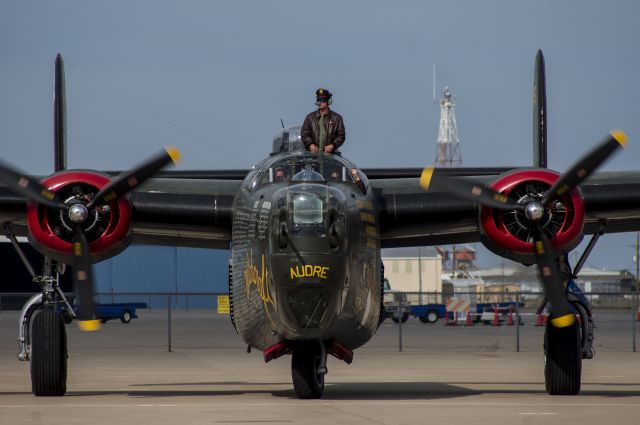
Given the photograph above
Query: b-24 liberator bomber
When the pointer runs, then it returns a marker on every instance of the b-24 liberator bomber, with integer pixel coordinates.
(305, 232)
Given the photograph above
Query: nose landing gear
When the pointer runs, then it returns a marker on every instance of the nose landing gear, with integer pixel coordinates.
(308, 368)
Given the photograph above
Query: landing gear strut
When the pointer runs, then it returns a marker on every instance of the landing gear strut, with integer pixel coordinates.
(308, 368)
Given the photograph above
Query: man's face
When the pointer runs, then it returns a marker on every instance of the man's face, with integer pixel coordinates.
(322, 103)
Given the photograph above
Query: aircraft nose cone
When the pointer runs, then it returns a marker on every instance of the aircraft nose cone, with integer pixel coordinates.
(78, 213)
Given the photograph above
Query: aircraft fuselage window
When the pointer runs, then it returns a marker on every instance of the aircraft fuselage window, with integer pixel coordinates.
(251, 180)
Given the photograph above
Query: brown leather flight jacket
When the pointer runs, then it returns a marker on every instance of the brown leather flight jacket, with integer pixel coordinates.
(335, 130)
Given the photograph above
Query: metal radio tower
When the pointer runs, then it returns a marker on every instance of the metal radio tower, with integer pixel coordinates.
(449, 153)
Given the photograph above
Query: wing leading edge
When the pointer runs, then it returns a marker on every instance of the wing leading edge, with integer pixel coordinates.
(409, 216)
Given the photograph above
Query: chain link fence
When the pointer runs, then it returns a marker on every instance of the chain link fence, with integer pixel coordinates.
(172, 321)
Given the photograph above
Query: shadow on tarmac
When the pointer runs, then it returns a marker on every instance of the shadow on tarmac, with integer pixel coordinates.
(349, 391)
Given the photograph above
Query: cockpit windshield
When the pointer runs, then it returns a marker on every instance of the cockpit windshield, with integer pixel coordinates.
(306, 168)
(307, 175)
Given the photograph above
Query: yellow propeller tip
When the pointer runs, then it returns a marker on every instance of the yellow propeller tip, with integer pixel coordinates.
(563, 321)
(620, 137)
(89, 325)
(425, 178)
(174, 153)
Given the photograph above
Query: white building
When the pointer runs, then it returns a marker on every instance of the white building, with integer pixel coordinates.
(413, 269)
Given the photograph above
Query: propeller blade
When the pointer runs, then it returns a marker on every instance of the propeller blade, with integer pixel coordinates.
(539, 113)
(586, 165)
(59, 117)
(29, 187)
(560, 311)
(467, 189)
(83, 281)
(129, 180)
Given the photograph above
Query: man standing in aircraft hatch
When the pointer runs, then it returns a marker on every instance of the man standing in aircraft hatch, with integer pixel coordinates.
(323, 130)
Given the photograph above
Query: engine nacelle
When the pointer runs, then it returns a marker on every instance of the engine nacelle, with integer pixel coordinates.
(509, 233)
(107, 227)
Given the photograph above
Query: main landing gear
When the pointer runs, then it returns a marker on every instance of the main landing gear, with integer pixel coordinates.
(563, 360)
(42, 335)
(565, 347)
(48, 354)
(42, 338)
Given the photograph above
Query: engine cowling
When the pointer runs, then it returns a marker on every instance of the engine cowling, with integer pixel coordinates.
(107, 228)
(509, 233)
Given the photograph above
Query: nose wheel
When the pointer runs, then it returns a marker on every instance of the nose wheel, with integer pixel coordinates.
(308, 368)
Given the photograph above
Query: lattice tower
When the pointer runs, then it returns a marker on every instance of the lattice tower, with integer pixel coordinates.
(448, 150)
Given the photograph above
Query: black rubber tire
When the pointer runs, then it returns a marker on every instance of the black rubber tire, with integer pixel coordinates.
(126, 316)
(48, 354)
(563, 360)
(304, 363)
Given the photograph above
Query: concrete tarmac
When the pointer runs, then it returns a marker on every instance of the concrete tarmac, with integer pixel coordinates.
(124, 374)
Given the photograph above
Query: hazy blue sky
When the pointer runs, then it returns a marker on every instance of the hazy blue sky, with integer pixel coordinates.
(214, 78)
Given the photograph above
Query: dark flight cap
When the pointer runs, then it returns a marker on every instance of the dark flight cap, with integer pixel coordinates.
(323, 94)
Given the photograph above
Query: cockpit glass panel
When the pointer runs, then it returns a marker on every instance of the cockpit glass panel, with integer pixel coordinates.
(307, 175)
(323, 168)
(251, 180)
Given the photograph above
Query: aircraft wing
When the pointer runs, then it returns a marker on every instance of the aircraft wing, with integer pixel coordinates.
(411, 216)
(180, 212)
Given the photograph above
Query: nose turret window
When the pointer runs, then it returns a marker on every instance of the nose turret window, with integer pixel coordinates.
(307, 209)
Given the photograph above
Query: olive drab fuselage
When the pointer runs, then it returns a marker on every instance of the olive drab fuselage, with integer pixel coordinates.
(305, 253)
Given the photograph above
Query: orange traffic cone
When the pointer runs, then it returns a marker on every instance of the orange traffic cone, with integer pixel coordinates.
(539, 320)
(496, 317)
(469, 321)
(510, 318)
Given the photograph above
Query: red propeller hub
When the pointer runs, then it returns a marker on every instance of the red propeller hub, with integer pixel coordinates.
(510, 233)
(106, 227)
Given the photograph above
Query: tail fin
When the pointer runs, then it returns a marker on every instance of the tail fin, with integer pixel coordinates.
(539, 114)
(59, 117)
